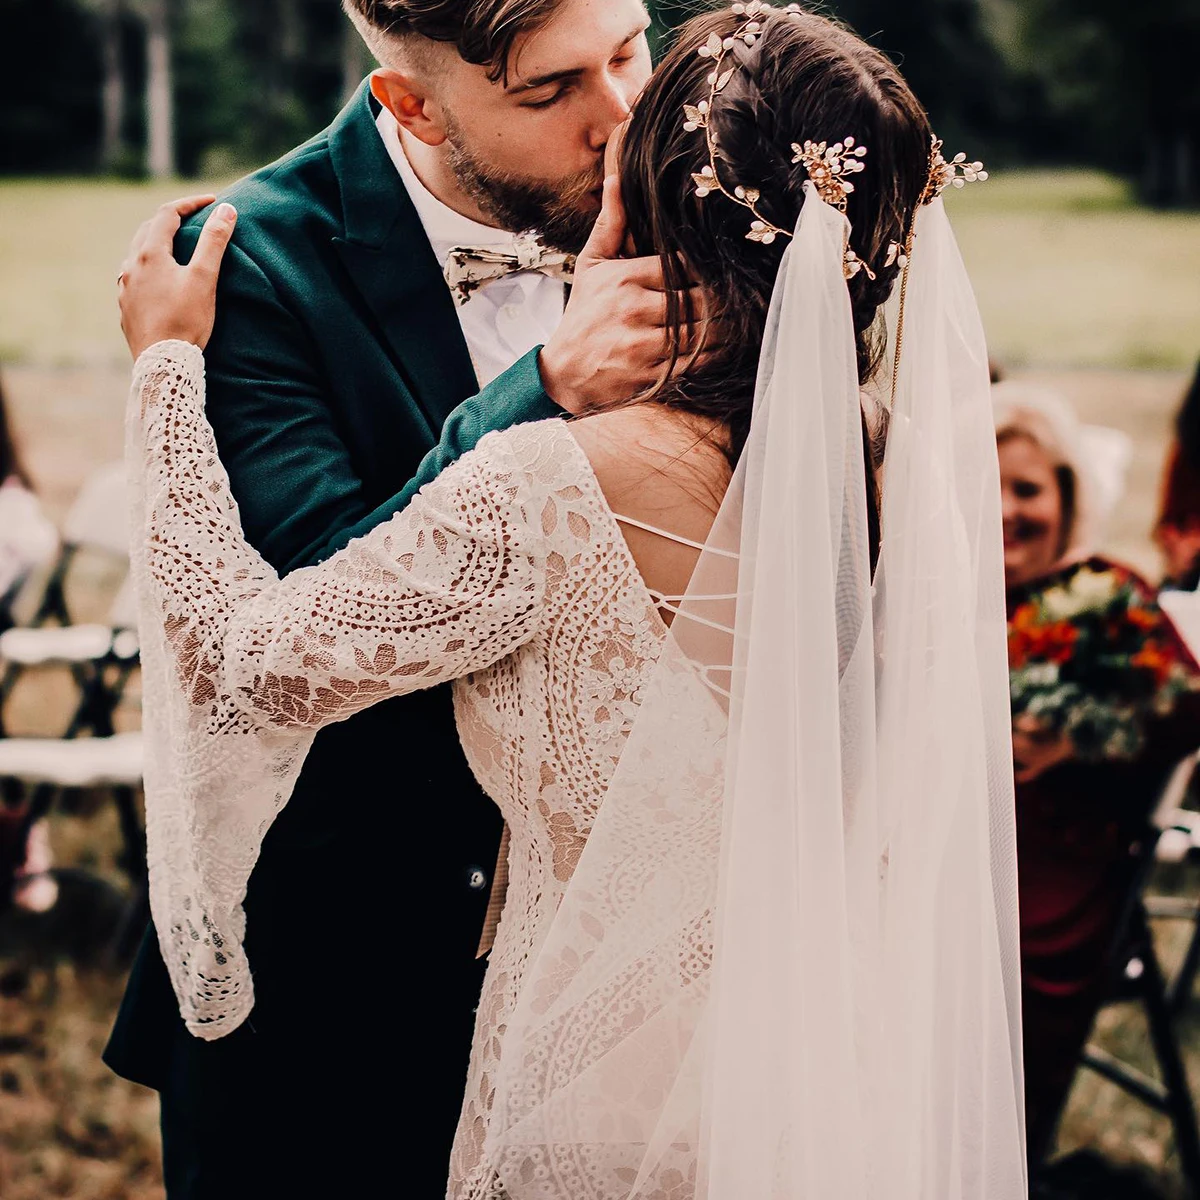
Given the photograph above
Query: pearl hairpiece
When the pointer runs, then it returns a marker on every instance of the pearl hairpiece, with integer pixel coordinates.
(955, 173)
(828, 166)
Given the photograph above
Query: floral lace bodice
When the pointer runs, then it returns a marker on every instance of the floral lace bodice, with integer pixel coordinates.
(508, 573)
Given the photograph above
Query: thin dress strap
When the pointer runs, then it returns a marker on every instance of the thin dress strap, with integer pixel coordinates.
(671, 537)
(671, 603)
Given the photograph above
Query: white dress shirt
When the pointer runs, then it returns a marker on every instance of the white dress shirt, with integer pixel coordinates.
(505, 319)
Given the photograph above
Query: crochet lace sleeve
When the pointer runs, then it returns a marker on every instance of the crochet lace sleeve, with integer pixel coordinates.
(446, 587)
(240, 668)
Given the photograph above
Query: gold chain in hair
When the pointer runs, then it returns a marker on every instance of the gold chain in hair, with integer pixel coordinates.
(943, 174)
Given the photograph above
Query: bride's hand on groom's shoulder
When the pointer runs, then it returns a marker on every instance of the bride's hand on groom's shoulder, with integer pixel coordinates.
(612, 342)
(161, 300)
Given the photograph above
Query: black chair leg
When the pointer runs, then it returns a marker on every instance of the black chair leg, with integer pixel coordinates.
(1180, 1107)
(133, 860)
(96, 706)
(54, 599)
(1180, 992)
(131, 928)
(8, 680)
(133, 852)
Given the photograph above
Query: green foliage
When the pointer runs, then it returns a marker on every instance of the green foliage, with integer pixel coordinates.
(1086, 82)
(1095, 82)
(1118, 83)
(1068, 269)
(945, 47)
(250, 79)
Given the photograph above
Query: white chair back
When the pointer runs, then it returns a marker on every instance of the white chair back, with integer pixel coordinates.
(123, 613)
(1107, 455)
(99, 518)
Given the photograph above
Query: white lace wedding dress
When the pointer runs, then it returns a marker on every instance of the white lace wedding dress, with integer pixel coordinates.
(509, 574)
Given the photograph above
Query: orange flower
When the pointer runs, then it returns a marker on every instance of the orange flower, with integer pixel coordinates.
(1028, 639)
(1152, 657)
(1143, 619)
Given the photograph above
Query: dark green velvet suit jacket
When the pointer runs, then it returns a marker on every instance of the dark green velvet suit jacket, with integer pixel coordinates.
(338, 383)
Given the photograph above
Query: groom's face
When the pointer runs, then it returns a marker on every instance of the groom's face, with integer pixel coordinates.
(529, 148)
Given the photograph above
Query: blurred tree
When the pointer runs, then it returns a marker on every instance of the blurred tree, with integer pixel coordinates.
(237, 82)
(1118, 84)
(945, 48)
(113, 95)
(160, 93)
(50, 81)
(666, 15)
(947, 54)
(214, 91)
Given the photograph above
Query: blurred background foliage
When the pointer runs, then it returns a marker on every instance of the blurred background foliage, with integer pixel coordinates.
(205, 87)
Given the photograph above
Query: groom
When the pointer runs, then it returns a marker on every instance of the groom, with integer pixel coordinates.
(354, 356)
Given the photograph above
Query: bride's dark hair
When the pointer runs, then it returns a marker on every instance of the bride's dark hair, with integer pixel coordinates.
(805, 78)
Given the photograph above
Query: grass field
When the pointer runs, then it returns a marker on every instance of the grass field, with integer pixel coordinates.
(1068, 272)
(1080, 291)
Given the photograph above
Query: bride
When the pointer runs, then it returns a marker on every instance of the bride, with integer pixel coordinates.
(743, 710)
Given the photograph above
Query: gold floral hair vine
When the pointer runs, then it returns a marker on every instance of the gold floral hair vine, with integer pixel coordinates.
(955, 173)
(829, 166)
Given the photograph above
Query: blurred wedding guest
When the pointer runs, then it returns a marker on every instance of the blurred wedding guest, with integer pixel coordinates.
(27, 536)
(1178, 529)
(27, 540)
(1104, 704)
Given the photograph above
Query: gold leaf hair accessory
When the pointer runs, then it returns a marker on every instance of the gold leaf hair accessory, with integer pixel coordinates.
(943, 174)
(696, 116)
(955, 173)
(828, 167)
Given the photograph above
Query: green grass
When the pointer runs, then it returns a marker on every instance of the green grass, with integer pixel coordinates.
(61, 246)
(1069, 272)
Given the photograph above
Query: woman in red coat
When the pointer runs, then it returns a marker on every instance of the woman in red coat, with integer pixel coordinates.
(1105, 703)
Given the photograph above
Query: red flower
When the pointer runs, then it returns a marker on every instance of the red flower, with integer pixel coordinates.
(1031, 639)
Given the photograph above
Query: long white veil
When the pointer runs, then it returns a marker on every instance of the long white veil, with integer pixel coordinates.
(786, 966)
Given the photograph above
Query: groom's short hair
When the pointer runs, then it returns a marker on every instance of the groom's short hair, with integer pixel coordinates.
(483, 32)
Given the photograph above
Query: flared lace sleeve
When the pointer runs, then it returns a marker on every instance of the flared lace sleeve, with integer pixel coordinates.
(242, 667)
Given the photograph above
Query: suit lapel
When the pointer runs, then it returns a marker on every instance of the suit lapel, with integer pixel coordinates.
(388, 257)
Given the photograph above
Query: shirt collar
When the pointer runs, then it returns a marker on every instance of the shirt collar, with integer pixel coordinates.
(444, 227)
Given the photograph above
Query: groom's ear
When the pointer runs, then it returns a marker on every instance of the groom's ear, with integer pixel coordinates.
(410, 100)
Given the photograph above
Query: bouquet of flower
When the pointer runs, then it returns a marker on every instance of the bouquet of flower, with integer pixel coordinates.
(1092, 657)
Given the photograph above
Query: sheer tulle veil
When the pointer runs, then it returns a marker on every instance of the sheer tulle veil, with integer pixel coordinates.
(786, 965)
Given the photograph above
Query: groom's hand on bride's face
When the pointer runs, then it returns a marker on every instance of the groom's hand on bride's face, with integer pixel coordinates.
(160, 299)
(613, 340)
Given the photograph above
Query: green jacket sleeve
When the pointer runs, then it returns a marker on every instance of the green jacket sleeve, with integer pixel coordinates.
(515, 398)
(289, 469)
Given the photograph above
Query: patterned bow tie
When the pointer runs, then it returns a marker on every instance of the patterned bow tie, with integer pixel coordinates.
(469, 268)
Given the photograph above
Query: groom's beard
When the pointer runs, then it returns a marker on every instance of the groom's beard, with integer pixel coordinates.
(562, 214)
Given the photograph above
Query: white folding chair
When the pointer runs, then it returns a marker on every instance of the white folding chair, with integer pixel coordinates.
(101, 657)
(1179, 842)
(97, 522)
(96, 762)
(51, 766)
(1138, 975)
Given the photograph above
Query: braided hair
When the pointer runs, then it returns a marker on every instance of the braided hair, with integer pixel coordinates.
(805, 78)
